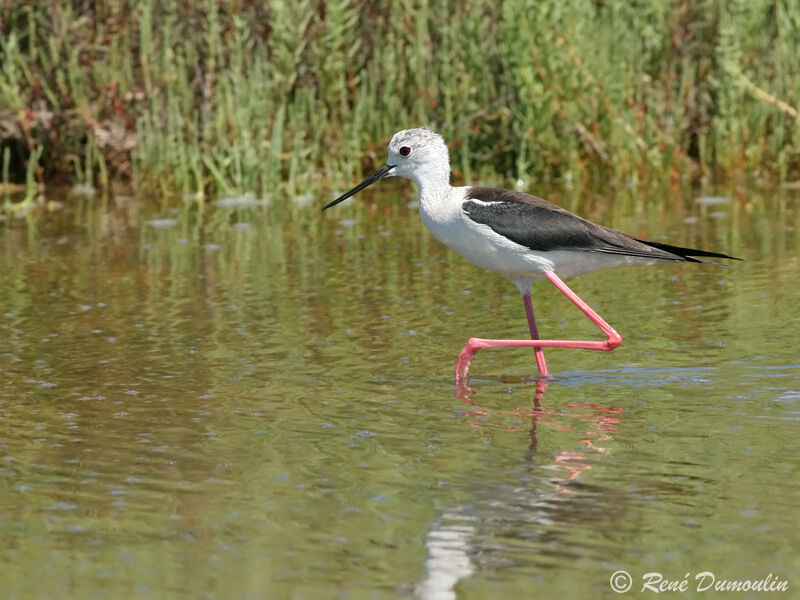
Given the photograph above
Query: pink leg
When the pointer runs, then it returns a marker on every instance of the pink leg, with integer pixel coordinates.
(613, 339)
(526, 299)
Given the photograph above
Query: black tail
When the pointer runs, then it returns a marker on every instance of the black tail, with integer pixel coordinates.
(688, 254)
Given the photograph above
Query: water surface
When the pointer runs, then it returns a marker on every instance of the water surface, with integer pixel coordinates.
(259, 402)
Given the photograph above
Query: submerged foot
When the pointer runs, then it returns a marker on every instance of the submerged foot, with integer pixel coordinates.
(465, 360)
(471, 348)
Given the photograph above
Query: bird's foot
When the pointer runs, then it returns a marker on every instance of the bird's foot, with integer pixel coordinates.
(465, 360)
(472, 346)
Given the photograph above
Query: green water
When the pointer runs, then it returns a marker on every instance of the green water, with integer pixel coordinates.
(259, 403)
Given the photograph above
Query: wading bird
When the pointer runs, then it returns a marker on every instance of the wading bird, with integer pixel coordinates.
(519, 236)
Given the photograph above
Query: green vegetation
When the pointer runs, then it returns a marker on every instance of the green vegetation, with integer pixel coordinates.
(234, 97)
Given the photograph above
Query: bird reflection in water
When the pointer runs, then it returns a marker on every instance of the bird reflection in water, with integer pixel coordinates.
(456, 537)
(601, 423)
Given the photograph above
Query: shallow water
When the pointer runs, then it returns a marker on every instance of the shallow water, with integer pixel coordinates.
(259, 402)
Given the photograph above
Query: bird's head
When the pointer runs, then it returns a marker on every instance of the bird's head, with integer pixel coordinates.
(417, 154)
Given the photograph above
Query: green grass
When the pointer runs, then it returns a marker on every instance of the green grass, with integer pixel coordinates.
(272, 98)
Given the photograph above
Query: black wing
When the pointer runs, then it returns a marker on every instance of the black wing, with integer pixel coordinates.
(543, 226)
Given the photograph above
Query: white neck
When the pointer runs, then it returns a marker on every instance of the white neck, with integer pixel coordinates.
(432, 179)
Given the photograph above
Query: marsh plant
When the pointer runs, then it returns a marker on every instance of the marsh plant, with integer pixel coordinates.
(218, 98)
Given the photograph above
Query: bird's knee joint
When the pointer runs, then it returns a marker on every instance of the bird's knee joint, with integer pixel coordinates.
(613, 341)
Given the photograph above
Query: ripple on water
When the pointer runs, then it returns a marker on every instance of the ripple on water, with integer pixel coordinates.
(287, 393)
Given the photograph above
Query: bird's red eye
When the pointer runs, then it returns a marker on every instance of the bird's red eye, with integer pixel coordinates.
(405, 151)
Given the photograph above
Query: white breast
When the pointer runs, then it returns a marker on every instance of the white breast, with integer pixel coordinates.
(445, 219)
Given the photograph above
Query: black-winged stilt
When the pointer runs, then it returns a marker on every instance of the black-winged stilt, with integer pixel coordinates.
(519, 236)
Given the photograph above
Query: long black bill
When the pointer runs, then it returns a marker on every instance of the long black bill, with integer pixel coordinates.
(376, 176)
